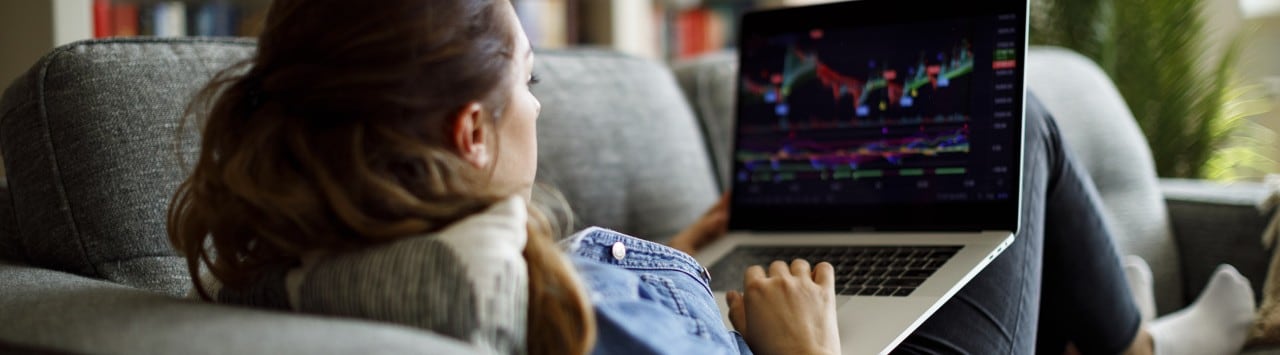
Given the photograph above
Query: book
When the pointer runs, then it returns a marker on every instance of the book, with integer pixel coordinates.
(691, 32)
(529, 19)
(573, 21)
(213, 19)
(206, 19)
(170, 19)
(124, 19)
(698, 30)
(102, 26)
(629, 26)
(146, 20)
(546, 22)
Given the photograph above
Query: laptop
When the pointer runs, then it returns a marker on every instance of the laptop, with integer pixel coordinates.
(885, 137)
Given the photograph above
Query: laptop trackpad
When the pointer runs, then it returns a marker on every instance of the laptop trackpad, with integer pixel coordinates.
(870, 325)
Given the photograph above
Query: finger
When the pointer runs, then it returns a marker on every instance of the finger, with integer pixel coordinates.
(721, 206)
(723, 203)
(737, 311)
(824, 274)
(755, 272)
(714, 224)
(800, 268)
(717, 227)
(779, 268)
(710, 228)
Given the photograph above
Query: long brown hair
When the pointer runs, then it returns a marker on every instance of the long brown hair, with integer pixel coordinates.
(334, 137)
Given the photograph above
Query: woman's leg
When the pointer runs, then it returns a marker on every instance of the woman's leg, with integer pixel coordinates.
(1060, 281)
(1085, 297)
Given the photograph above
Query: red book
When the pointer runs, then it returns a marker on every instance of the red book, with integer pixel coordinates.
(692, 32)
(102, 26)
(124, 20)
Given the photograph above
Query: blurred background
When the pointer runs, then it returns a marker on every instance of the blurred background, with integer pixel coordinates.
(1201, 76)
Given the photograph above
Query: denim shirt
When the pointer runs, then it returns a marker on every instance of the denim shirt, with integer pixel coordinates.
(649, 298)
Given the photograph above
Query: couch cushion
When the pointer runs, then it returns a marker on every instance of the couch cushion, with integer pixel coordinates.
(88, 138)
(617, 137)
(52, 310)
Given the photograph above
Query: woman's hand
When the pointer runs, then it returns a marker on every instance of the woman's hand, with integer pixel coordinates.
(711, 227)
(792, 310)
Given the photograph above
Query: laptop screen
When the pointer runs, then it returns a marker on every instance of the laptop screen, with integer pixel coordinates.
(880, 115)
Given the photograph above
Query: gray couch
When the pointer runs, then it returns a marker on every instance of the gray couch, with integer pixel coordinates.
(88, 142)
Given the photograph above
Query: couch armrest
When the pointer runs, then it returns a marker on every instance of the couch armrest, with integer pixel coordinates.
(59, 311)
(1218, 223)
(709, 83)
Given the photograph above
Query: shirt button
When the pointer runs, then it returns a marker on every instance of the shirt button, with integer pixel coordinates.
(619, 251)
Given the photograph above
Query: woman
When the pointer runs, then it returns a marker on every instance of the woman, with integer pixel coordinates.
(361, 129)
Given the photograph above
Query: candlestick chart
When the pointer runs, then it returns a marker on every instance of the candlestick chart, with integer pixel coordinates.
(830, 106)
(874, 93)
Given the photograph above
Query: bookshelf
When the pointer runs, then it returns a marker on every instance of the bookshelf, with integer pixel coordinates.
(664, 30)
(177, 18)
(31, 28)
(34, 27)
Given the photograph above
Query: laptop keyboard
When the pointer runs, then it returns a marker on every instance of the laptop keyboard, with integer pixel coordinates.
(860, 271)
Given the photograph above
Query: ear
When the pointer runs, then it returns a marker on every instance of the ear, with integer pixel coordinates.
(470, 135)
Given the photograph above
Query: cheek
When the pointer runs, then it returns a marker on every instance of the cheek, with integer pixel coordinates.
(530, 128)
(535, 108)
(521, 134)
(532, 109)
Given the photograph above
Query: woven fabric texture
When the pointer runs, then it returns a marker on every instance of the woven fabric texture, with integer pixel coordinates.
(89, 141)
(619, 140)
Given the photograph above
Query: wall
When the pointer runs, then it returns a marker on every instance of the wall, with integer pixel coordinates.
(74, 21)
(1258, 24)
(30, 28)
(25, 35)
(1260, 61)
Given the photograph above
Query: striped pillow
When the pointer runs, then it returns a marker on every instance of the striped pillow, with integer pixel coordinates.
(468, 281)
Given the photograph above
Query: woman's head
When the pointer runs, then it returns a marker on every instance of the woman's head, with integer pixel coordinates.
(360, 123)
(451, 74)
(474, 135)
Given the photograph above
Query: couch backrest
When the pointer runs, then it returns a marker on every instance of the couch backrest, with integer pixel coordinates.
(619, 140)
(88, 139)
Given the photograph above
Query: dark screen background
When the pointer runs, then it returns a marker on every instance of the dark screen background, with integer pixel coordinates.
(897, 114)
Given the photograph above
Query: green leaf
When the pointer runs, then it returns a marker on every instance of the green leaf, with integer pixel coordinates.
(1188, 101)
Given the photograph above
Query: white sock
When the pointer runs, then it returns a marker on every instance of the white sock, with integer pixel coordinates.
(1217, 323)
(1138, 274)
